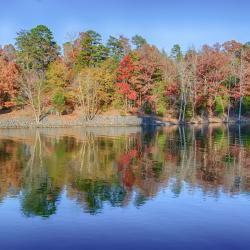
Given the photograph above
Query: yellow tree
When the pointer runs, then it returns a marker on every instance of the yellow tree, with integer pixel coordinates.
(57, 80)
(94, 89)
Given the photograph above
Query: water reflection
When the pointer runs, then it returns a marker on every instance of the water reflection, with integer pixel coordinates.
(120, 166)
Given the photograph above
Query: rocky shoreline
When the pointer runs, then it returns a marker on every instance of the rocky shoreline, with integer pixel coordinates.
(105, 121)
(61, 122)
(206, 121)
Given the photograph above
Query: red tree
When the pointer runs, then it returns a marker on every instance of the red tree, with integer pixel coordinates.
(212, 70)
(9, 74)
(124, 79)
(147, 72)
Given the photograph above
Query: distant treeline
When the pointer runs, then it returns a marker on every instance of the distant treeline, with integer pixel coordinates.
(124, 74)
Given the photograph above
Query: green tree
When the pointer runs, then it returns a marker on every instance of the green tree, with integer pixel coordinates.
(176, 53)
(160, 98)
(219, 107)
(115, 48)
(138, 41)
(59, 102)
(36, 48)
(246, 105)
(92, 51)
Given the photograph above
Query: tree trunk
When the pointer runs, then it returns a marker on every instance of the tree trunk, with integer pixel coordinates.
(241, 84)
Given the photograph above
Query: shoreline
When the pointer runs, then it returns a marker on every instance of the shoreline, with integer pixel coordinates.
(65, 122)
(108, 121)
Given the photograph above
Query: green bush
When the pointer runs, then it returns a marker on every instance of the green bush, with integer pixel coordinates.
(219, 106)
(160, 109)
(189, 112)
(20, 102)
(59, 102)
(246, 105)
(160, 100)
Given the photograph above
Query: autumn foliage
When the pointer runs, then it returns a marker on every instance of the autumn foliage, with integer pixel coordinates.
(9, 74)
(124, 83)
(130, 76)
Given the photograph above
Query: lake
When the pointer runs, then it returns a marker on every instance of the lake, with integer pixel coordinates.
(125, 188)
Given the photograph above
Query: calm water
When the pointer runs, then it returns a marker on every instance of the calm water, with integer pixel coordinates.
(125, 188)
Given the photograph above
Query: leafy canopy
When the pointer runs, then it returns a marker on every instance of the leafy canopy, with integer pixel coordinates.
(36, 48)
(91, 50)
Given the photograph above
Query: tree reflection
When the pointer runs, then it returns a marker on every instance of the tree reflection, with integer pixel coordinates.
(118, 170)
(93, 193)
(39, 195)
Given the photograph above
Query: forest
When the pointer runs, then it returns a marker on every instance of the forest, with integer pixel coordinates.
(130, 76)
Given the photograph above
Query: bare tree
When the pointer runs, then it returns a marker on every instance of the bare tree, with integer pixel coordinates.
(241, 82)
(87, 88)
(32, 87)
(185, 87)
(192, 79)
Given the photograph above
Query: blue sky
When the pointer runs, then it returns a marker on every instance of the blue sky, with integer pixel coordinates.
(163, 23)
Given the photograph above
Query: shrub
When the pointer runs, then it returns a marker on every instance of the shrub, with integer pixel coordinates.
(219, 106)
(189, 112)
(59, 102)
(160, 109)
(246, 105)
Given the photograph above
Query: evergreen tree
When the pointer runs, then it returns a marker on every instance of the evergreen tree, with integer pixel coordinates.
(92, 51)
(176, 52)
(138, 41)
(115, 48)
(36, 48)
